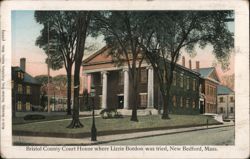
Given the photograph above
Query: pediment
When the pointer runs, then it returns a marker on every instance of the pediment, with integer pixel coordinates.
(99, 57)
(213, 75)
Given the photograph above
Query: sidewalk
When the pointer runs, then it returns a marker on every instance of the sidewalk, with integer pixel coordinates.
(108, 138)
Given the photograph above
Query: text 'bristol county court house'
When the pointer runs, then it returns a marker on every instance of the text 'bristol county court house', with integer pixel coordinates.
(193, 91)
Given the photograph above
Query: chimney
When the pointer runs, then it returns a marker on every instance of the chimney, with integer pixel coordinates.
(23, 63)
(190, 64)
(197, 65)
(183, 61)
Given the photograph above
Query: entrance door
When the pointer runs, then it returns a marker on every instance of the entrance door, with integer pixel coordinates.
(120, 102)
(202, 110)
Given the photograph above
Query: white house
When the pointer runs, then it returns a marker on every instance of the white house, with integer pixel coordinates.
(226, 102)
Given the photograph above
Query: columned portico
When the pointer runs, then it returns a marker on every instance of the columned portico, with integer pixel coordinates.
(104, 89)
(126, 89)
(150, 101)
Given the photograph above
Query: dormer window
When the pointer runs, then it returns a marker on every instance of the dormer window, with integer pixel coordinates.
(22, 75)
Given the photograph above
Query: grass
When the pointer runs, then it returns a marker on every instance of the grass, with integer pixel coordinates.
(119, 124)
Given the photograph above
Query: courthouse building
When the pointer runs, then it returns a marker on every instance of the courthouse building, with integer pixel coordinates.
(113, 87)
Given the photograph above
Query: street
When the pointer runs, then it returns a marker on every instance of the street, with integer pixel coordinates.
(216, 136)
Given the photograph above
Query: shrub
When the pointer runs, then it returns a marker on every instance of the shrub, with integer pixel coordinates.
(110, 113)
(34, 117)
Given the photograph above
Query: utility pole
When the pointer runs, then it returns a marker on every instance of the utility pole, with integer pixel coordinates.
(48, 73)
(227, 107)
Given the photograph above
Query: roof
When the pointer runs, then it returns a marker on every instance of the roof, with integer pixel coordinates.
(92, 56)
(224, 90)
(205, 72)
(209, 73)
(15, 68)
(27, 77)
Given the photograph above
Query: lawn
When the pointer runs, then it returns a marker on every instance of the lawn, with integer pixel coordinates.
(113, 126)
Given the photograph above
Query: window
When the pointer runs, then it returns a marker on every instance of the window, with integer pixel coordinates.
(19, 105)
(193, 104)
(19, 74)
(184, 82)
(231, 99)
(221, 100)
(181, 102)
(187, 83)
(174, 101)
(207, 89)
(174, 78)
(12, 84)
(221, 109)
(181, 81)
(187, 103)
(28, 90)
(231, 110)
(194, 84)
(143, 100)
(121, 78)
(28, 106)
(143, 76)
(20, 89)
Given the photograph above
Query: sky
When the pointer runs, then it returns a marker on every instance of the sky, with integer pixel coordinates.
(25, 30)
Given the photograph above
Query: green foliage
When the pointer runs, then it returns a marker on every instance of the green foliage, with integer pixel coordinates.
(110, 113)
(34, 117)
(176, 31)
(58, 36)
(43, 79)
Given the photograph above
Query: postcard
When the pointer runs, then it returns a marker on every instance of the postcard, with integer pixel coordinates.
(125, 79)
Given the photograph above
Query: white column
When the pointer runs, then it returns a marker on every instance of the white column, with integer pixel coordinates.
(150, 102)
(104, 89)
(126, 89)
(84, 81)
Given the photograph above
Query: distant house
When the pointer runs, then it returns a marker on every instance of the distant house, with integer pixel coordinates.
(209, 81)
(25, 89)
(226, 101)
(58, 96)
(114, 89)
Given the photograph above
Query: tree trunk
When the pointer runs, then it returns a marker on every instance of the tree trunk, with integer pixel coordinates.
(69, 91)
(75, 123)
(135, 98)
(82, 25)
(165, 99)
(134, 108)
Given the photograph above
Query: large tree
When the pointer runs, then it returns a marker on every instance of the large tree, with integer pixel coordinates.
(58, 40)
(66, 32)
(82, 19)
(121, 32)
(173, 32)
